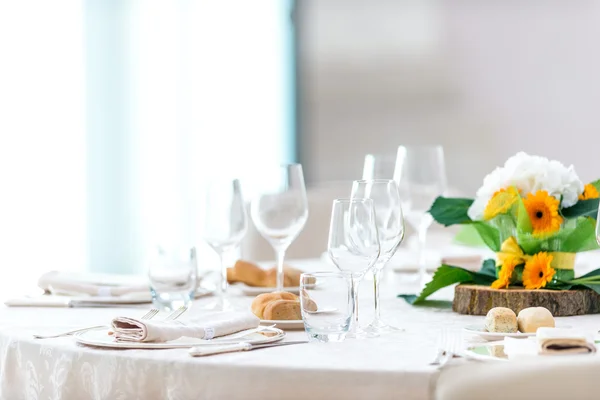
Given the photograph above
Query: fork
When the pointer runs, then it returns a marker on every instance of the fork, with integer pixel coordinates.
(149, 315)
(449, 347)
(176, 314)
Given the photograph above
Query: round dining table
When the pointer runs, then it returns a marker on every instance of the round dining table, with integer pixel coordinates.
(391, 366)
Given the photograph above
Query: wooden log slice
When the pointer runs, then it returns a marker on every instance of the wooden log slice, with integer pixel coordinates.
(478, 300)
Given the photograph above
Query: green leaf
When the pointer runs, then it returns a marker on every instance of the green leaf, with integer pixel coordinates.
(410, 299)
(489, 235)
(447, 275)
(581, 238)
(596, 184)
(489, 268)
(594, 286)
(468, 236)
(451, 211)
(583, 208)
(595, 272)
(523, 220)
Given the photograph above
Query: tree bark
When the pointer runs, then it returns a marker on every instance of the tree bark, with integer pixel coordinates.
(478, 300)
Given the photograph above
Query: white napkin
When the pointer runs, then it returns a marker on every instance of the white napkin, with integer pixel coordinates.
(217, 324)
(564, 341)
(91, 284)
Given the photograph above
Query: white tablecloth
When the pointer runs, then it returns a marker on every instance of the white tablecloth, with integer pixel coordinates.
(393, 366)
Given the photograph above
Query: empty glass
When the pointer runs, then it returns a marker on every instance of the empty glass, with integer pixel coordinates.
(173, 275)
(390, 227)
(379, 166)
(326, 305)
(225, 224)
(281, 210)
(421, 177)
(353, 245)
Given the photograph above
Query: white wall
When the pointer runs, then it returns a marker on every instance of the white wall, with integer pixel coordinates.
(485, 79)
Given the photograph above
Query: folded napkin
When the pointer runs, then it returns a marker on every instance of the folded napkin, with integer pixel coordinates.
(206, 327)
(550, 341)
(91, 284)
(564, 341)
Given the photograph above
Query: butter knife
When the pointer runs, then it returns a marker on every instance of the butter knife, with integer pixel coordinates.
(208, 350)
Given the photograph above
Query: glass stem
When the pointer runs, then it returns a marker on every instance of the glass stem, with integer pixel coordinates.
(422, 251)
(376, 282)
(280, 256)
(223, 279)
(355, 282)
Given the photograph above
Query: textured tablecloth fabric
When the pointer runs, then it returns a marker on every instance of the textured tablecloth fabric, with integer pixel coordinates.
(393, 366)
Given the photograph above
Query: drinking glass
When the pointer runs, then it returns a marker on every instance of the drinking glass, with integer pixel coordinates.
(379, 166)
(173, 275)
(390, 227)
(326, 305)
(421, 177)
(353, 245)
(280, 211)
(225, 224)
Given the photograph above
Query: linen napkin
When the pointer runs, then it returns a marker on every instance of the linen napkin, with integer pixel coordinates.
(564, 341)
(206, 327)
(91, 284)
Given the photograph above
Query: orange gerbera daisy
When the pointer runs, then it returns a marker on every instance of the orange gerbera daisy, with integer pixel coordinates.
(537, 271)
(505, 274)
(543, 212)
(589, 192)
(500, 202)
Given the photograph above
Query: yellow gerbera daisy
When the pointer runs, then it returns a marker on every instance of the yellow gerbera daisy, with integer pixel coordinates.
(543, 212)
(589, 192)
(505, 274)
(500, 202)
(537, 271)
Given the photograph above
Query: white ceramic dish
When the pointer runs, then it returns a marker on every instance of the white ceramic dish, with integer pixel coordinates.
(290, 325)
(479, 330)
(256, 290)
(101, 338)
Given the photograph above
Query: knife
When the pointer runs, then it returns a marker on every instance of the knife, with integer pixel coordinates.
(208, 350)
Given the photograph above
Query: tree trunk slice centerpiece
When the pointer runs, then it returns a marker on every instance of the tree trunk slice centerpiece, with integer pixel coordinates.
(478, 300)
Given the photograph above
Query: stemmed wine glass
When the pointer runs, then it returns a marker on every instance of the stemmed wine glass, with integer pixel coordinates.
(379, 166)
(225, 224)
(421, 177)
(390, 227)
(280, 212)
(353, 245)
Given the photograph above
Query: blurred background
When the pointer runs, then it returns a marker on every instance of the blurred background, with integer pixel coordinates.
(115, 114)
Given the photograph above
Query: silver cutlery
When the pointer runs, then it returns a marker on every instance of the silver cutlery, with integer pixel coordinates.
(149, 315)
(243, 346)
(176, 313)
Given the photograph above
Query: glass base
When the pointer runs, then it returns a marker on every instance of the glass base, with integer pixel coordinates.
(360, 333)
(379, 327)
(170, 301)
(326, 337)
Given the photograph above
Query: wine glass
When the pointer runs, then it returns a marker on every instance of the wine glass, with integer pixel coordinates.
(280, 211)
(378, 166)
(390, 227)
(421, 177)
(225, 224)
(353, 245)
(598, 227)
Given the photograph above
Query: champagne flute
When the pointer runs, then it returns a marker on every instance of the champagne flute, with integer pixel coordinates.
(280, 212)
(378, 166)
(421, 177)
(390, 227)
(353, 245)
(225, 224)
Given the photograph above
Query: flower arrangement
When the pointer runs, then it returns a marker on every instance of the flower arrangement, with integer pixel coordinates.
(535, 214)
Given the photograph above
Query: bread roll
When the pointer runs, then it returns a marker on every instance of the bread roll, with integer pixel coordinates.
(262, 300)
(501, 319)
(532, 318)
(253, 275)
(282, 310)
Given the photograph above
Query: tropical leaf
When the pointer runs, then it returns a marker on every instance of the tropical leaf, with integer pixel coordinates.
(410, 299)
(447, 275)
(489, 268)
(523, 220)
(468, 236)
(593, 273)
(581, 238)
(596, 184)
(583, 208)
(451, 211)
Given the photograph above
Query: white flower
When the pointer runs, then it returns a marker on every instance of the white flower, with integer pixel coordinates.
(529, 174)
